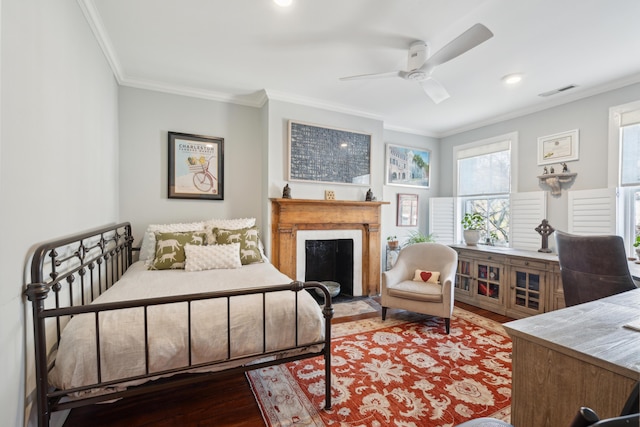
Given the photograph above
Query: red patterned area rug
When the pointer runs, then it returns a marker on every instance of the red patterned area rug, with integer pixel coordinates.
(403, 372)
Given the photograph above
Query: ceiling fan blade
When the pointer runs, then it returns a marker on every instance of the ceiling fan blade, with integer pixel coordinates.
(466, 41)
(434, 90)
(373, 76)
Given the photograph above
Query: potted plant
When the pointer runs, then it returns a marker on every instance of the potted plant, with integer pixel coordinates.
(392, 242)
(473, 224)
(418, 237)
(636, 245)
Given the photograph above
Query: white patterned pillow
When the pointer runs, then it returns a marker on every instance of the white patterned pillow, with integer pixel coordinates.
(227, 224)
(200, 258)
(148, 246)
(170, 249)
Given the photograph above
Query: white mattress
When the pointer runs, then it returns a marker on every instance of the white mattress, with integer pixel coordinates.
(122, 352)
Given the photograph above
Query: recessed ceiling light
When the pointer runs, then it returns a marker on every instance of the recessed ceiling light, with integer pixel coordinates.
(512, 79)
(283, 3)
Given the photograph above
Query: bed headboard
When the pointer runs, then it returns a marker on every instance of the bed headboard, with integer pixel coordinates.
(77, 268)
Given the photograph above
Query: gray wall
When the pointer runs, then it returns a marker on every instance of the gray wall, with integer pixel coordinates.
(58, 161)
(145, 119)
(279, 114)
(255, 161)
(390, 192)
(589, 115)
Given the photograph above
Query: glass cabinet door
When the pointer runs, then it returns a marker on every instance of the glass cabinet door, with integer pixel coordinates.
(489, 281)
(463, 276)
(526, 289)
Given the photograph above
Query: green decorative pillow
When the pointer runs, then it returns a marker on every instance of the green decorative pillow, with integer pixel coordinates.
(170, 248)
(248, 239)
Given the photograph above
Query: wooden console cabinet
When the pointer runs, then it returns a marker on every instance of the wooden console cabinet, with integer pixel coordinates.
(507, 281)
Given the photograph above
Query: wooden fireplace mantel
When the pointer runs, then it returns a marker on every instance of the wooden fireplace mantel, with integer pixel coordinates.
(290, 215)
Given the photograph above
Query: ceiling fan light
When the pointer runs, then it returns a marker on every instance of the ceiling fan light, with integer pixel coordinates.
(512, 79)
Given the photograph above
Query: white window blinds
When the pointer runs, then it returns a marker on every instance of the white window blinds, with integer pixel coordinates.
(484, 169)
(630, 147)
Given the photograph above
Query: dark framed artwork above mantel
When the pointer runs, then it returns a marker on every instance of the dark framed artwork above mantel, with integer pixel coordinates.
(196, 167)
(324, 154)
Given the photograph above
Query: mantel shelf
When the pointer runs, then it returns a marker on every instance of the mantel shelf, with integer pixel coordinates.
(555, 180)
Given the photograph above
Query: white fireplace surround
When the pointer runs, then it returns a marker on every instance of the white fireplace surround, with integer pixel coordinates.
(355, 235)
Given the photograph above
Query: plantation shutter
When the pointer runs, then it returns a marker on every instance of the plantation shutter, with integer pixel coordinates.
(442, 219)
(594, 212)
(527, 212)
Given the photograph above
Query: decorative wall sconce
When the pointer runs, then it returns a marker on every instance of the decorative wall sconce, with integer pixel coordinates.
(555, 180)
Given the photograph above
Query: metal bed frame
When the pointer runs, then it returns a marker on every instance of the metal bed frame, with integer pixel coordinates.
(67, 274)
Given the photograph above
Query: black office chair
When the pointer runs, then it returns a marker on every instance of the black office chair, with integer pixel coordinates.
(586, 417)
(592, 267)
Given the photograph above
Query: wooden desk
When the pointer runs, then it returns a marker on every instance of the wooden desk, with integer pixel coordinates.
(573, 357)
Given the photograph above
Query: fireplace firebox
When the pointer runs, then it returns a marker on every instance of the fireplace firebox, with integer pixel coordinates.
(293, 218)
(330, 260)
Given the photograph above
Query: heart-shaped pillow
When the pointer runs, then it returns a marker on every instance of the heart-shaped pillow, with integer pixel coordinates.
(425, 276)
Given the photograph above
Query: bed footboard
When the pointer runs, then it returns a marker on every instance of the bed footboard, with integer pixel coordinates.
(69, 273)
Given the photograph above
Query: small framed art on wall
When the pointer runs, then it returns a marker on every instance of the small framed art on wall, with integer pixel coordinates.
(407, 166)
(196, 167)
(407, 210)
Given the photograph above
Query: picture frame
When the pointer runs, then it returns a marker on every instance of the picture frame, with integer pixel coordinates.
(559, 147)
(196, 167)
(329, 155)
(408, 166)
(407, 215)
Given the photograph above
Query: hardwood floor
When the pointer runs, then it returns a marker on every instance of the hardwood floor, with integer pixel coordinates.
(228, 401)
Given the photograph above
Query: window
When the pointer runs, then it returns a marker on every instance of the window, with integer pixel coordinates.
(483, 178)
(625, 140)
(630, 153)
(630, 175)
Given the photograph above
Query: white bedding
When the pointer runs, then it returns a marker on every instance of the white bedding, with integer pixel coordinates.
(122, 331)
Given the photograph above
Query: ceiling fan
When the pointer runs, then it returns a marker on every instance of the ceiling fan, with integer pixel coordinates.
(420, 65)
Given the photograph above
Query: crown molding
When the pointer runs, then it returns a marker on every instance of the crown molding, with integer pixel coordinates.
(419, 132)
(561, 100)
(259, 99)
(256, 99)
(318, 103)
(94, 20)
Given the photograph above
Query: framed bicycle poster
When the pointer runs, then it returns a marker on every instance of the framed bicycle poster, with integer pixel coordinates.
(195, 166)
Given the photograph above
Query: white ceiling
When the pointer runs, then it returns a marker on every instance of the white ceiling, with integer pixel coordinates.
(236, 50)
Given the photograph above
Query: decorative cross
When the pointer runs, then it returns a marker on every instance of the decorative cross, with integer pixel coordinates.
(545, 230)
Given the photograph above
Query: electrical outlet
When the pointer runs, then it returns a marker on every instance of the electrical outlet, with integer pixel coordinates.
(329, 195)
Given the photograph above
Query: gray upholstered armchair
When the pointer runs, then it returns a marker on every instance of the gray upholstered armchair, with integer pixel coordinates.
(425, 294)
